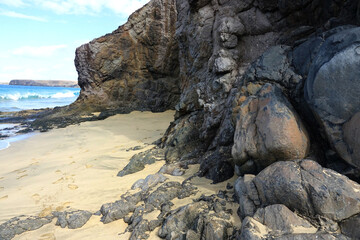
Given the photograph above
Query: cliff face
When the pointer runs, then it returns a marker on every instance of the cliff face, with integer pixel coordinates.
(136, 66)
(247, 77)
(228, 50)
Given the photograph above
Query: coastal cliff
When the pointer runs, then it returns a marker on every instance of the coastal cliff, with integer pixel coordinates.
(266, 90)
(135, 67)
(44, 83)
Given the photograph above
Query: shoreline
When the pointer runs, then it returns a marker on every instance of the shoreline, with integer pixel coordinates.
(76, 145)
(75, 168)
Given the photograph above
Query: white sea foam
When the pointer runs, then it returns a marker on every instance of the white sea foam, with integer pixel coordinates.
(63, 95)
(27, 96)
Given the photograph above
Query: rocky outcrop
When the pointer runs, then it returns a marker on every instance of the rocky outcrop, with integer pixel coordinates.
(18, 225)
(319, 194)
(257, 85)
(72, 219)
(228, 51)
(136, 66)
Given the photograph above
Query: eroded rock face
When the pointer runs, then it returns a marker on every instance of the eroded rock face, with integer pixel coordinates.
(134, 67)
(268, 130)
(332, 90)
(218, 41)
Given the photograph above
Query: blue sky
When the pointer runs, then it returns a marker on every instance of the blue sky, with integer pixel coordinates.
(38, 38)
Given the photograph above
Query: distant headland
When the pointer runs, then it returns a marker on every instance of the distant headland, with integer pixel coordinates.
(44, 83)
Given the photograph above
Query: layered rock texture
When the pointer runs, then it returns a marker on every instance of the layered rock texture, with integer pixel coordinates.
(268, 89)
(135, 67)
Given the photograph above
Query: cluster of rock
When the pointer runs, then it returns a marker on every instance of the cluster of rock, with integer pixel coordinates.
(266, 87)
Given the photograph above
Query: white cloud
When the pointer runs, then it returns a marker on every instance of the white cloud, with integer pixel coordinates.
(42, 51)
(125, 7)
(20, 15)
(13, 3)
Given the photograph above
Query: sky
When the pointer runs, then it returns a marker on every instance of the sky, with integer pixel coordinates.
(38, 38)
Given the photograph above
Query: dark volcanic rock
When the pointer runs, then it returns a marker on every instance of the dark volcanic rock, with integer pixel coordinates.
(138, 161)
(350, 227)
(181, 220)
(73, 219)
(268, 129)
(117, 210)
(332, 89)
(303, 186)
(149, 182)
(168, 191)
(22, 224)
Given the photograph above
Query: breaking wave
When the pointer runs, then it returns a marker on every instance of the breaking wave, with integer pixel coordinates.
(29, 96)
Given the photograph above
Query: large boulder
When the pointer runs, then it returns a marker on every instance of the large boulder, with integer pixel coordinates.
(332, 90)
(268, 129)
(303, 186)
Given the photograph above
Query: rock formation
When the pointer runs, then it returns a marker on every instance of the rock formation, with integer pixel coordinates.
(136, 66)
(268, 89)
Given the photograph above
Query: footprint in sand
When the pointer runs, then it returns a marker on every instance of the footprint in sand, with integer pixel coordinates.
(60, 180)
(4, 197)
(47, 236)
(20, 177)
(63, 206)
(1, 188)
(46, 212)
(1, 178)
(36, 198)
(88, 166)
(72, 186)
(58, 171)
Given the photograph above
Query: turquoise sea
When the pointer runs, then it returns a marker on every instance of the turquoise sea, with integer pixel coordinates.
(17, 98)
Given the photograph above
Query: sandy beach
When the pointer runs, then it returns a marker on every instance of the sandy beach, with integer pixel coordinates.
(76, 168)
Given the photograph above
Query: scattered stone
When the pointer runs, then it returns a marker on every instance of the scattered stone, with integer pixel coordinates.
(181, 220)
(149, 182)
(73, 219)
(117, 210)
(19, 225)
(169, 191)
(173, 169)
(136, 148)
(138, 161)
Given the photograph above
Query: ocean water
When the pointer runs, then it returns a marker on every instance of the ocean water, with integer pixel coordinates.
(17, 98)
